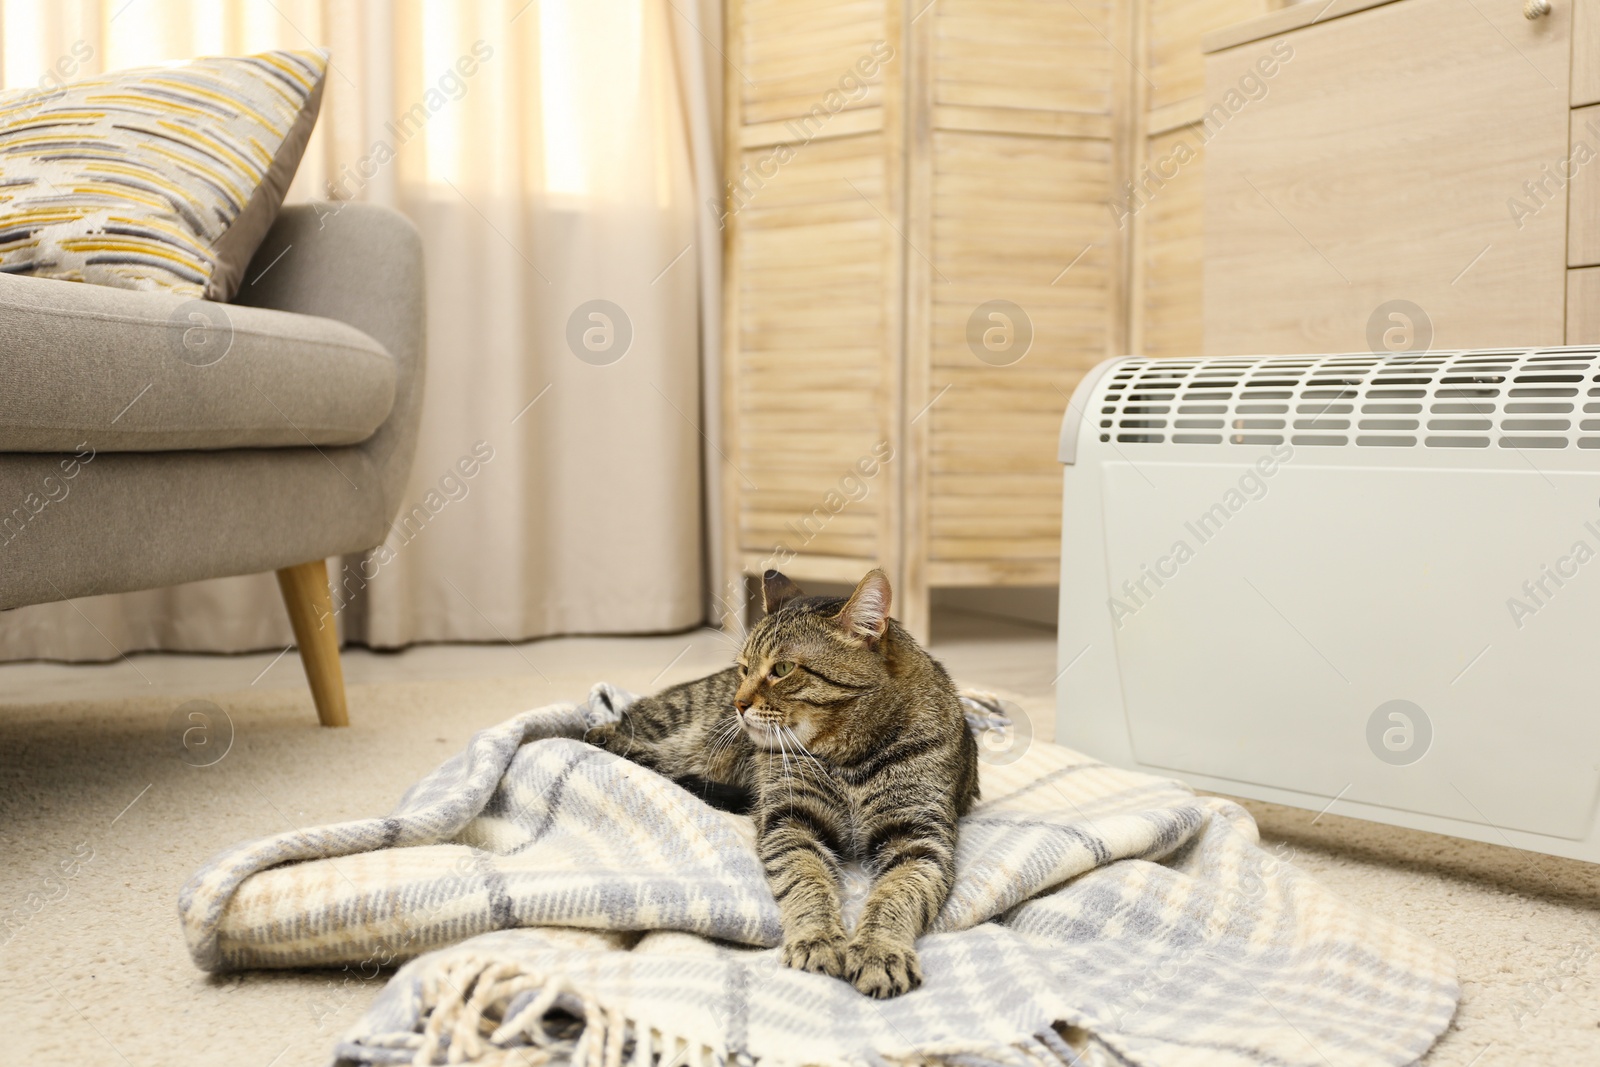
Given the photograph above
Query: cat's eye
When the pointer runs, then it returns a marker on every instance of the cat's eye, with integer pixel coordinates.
(781, 668)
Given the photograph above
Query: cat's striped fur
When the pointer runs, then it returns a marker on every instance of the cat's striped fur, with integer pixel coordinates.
(851, 743)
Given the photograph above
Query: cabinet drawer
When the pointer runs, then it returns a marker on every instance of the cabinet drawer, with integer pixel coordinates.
(1585, 52)
(1377, 165)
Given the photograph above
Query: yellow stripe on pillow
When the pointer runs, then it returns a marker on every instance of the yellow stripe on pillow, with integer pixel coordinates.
(159, 178)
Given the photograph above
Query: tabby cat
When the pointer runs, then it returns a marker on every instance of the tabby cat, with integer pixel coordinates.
(851, 744)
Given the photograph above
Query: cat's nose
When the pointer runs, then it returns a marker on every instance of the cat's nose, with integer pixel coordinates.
(741, 706)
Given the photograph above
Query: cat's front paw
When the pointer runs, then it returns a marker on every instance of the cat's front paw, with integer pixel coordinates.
(880, 968)
(604, 736)
(818, 953)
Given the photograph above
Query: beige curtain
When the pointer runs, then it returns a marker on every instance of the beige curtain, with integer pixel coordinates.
(697, 33)
(557, 157)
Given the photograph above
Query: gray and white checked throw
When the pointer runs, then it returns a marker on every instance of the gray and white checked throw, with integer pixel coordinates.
(563, 903)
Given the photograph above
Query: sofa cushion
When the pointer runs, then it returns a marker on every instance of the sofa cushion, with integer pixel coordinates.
(158, 178)
(122, 371)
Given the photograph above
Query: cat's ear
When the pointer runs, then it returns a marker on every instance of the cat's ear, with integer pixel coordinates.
(776, 591)
(867, 613)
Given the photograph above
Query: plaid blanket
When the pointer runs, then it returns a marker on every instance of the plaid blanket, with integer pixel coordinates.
(581, 907)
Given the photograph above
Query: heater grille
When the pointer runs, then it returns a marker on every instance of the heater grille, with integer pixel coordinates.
(1528, 399)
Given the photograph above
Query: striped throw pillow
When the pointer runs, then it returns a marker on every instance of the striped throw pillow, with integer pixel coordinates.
(161, 178)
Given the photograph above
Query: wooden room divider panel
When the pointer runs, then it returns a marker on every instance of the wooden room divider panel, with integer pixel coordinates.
(937, 219)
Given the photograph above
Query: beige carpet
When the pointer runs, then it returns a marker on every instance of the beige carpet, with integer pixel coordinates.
(100, 823)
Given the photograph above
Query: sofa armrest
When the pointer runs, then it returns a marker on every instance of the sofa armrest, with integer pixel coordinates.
(360, 264)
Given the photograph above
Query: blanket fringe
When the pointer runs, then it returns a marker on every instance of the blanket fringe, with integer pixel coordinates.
(485, 1010)
(471, 1014)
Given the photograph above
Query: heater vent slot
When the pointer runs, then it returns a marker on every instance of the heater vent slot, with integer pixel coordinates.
(1535, 399)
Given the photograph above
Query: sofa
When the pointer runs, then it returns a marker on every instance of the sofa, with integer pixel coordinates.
(148, 439)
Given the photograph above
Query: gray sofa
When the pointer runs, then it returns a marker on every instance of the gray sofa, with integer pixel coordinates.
(147, 439)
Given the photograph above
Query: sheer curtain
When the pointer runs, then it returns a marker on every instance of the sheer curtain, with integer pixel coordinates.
(557, 157)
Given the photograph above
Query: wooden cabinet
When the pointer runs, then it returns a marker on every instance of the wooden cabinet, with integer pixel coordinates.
(1414, 151)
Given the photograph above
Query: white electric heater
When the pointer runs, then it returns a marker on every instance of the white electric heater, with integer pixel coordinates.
(1363, 584)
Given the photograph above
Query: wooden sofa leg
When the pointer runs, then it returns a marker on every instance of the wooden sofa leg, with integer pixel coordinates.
(305, 594)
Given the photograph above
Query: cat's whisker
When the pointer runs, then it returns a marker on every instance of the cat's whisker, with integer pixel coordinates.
(788, 781)
(732, 616)
(719, 745)
(723, 739)
(804, 751)
(729, 639)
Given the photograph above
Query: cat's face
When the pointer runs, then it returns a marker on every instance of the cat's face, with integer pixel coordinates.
(807, 663)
